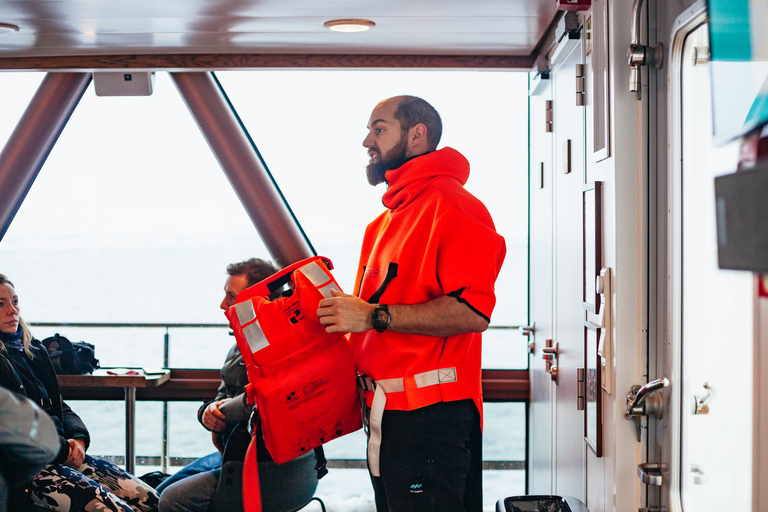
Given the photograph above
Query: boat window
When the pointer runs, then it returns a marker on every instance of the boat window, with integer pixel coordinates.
(309, 127)
(124, 238)
(717, 325)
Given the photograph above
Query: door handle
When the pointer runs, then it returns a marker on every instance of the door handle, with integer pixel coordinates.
(699, 476)
(528, 331)
(645, 401)
(701, 402)
(549, 353)
(650, 473)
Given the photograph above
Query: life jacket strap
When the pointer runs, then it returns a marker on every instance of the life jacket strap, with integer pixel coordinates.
(380, 390)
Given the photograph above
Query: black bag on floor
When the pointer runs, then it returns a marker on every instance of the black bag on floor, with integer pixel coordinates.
(69, 358)
(154, 478)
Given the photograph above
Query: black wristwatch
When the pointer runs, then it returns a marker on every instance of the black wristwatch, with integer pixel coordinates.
(380, 317)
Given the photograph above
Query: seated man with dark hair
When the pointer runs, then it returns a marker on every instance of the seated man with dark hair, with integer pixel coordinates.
(193, 487)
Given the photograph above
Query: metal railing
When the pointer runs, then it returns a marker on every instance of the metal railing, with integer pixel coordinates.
(165, 461)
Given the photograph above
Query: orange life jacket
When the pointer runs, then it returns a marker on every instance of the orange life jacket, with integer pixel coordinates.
(301, 378)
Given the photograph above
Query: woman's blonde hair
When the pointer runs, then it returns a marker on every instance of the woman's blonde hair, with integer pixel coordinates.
(26, 333)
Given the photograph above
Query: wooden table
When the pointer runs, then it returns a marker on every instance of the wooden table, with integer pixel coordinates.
(105, 377)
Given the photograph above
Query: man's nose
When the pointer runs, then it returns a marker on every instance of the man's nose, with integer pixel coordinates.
(367, 142)
(224, 304)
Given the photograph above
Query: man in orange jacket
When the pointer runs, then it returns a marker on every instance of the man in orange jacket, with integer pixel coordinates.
(424, 293)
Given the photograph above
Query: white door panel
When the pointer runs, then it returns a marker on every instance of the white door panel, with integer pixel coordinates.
(709, 448)
(541, 245)
(568, 265)
(716, 317)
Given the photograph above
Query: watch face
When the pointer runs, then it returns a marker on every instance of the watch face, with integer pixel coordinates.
(380, 319)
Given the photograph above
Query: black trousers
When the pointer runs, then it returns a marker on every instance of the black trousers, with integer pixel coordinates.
(431, 460)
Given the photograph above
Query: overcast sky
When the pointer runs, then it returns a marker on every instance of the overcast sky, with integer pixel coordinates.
(136, 172)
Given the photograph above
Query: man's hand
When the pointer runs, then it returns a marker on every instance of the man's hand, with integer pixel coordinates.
(76, 453)
(213, 419)
(218, 442)
(345, 313)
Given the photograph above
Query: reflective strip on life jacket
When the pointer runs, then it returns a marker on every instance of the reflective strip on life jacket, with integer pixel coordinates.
(380, 390)
(319, 277)
(252, 332)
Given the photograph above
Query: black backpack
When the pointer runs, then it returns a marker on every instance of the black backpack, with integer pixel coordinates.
(70, 358)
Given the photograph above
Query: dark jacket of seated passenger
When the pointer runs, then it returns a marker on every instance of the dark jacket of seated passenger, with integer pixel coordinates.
(36, 379)
(234, 377)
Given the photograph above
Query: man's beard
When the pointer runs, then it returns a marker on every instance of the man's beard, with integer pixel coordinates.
(394, 159)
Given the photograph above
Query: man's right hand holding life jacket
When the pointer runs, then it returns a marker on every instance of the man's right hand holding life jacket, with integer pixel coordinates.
(213, 419)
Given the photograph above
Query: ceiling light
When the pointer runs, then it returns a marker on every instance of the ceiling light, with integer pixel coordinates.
(7, 28)
(349, 25)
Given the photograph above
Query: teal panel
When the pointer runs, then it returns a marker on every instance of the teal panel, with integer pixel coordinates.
(758, 113)
(729, 30)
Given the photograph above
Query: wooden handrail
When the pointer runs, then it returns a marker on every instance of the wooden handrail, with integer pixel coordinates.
(188, 384)
(184, 385)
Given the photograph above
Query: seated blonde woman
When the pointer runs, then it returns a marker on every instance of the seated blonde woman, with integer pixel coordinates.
(74, 481)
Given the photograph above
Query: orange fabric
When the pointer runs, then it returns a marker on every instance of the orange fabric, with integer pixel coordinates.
(251, 485)
(435, 239)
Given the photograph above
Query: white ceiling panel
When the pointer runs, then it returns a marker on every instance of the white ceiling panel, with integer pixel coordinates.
(120, 27)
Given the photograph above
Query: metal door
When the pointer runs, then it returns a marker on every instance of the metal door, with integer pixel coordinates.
(704, 321)
(711, 309)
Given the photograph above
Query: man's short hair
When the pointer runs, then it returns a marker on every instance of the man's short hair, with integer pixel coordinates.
(254, 269)
(413, 110)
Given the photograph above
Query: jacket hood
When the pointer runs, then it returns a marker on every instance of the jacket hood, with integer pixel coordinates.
(409, 180)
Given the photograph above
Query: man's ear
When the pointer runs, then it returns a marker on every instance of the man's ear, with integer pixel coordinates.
(417, 139)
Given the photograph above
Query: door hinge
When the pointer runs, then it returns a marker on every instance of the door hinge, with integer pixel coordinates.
(581, 86)
(549, 116)
(581, 389)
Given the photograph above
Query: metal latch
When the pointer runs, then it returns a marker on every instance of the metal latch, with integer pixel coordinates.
(650, 473)
(639, 55)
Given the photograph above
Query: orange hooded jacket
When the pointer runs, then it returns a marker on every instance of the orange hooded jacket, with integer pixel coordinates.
(435, 239)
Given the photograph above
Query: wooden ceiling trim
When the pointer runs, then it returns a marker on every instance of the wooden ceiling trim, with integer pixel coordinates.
(182, 62)
(548, 37)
